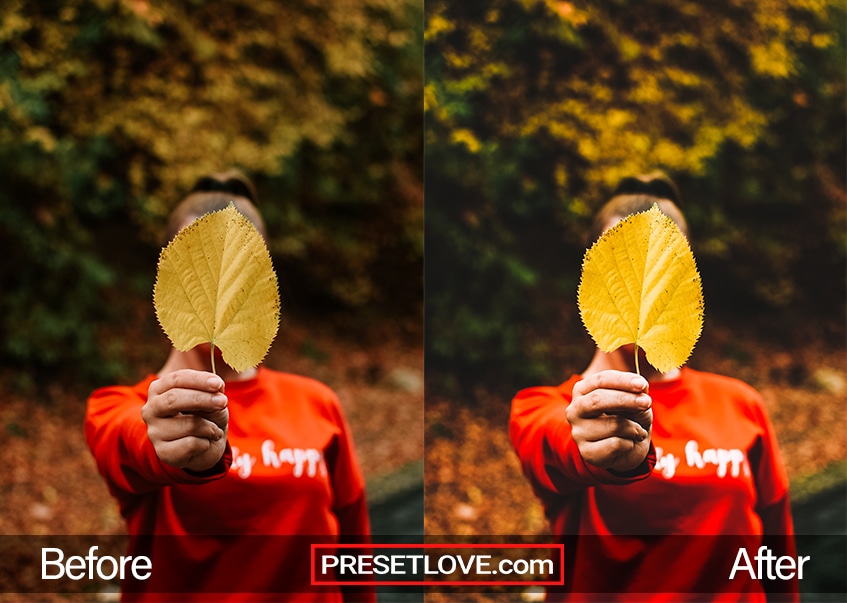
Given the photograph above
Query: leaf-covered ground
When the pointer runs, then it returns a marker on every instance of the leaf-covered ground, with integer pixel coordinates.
(474, 484)
(50, 486)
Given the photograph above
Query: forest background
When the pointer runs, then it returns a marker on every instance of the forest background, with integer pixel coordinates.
(109, 112)
(534, 109)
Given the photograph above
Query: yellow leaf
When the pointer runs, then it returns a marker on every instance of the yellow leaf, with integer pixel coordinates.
(216, 284)
(640, 285)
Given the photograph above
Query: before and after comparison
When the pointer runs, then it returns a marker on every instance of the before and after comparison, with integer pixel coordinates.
(403, 300)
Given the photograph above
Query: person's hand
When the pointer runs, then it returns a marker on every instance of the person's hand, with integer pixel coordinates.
(186, 416)
(611, 419)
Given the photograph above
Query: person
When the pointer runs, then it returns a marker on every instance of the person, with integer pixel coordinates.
(225, 480)
(654, 481)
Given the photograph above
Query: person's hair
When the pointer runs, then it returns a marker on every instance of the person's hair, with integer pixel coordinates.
(232, 181)
(635, 194)
(215, 192)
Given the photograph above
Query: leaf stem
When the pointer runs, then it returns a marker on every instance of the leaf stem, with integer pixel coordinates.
(212, 348)
(636, 360)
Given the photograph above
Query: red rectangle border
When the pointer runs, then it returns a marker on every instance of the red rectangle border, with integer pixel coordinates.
(548, 547)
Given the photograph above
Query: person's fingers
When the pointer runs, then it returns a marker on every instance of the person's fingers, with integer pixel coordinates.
(609, 379)
(184, 451)
(179, 400)
(609, 426)
(218, 417)
(611, 452)
(610, 401)
(610, 392)
(183, 426)
(187, 379)
(643, 418)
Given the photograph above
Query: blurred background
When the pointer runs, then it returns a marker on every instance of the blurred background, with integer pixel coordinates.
(109, 111)
(534, 109)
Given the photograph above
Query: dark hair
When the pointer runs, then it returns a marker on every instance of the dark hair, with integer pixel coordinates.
(231, 181)
(656, 185)
(212, 193)
(635, 194)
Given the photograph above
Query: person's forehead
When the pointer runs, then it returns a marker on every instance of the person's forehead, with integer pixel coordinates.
(187, 220)
(611, 222)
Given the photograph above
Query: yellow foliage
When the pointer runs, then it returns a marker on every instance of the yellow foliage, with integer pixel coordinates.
(458, 61)
(436, 26)
(216, 284)
(629, 48)
(561, 175)
(642, 95)
(43, 137)
(194, 91)
(821, 40)
(480, 42)
(467, 138)
(772, 59)
(640, 286)
(430, 97)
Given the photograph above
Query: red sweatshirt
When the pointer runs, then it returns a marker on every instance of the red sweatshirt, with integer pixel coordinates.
(289, 478)
(714, 469)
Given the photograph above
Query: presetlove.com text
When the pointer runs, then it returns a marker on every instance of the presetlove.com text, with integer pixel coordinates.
(437, 564)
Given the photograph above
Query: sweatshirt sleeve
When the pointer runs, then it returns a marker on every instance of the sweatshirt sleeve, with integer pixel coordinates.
(350, 506)
(770, 476)
(117, 437)
(773, 505)
(550, 459)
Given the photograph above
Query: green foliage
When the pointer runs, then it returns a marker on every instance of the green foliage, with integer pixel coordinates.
(534, 109)
(110, 110)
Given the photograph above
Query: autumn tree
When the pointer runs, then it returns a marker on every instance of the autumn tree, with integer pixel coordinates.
(535, 108)
(109, 110)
